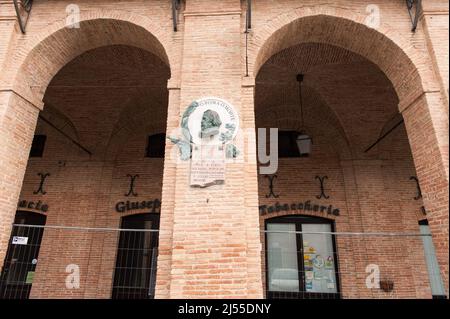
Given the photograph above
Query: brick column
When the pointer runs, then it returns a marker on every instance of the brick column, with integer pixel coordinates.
(355, 278)
(17, 123)
(254, 247)
(18, 119)
(215, 236)
(435, 25)
(427, 131)
(168, 197)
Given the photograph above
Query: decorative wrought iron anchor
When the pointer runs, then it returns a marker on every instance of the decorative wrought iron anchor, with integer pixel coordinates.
(41, 184)
(132, 180)
(271, 192)
(322, 189)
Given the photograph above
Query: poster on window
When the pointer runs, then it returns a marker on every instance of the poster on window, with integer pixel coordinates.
(318, 255)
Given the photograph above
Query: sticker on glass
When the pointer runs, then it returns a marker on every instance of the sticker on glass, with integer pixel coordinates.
(309, 275)
(329, 262)
(17, 240)
(30, 277)
(318, 262)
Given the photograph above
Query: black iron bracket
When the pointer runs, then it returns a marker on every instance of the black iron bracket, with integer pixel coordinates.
(322, 188)
(41, 184)
(248, 27)
(131, 189)
(419, 191)
(414, 10)
(419, 194)
(176, 5)
(384, 135)
(23, 5)
(65, 135)
(271, 192)
(248, 16)
(423, 210)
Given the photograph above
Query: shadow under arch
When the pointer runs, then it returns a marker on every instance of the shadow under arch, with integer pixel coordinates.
(135, 120)
(60, 120)
(287, 117)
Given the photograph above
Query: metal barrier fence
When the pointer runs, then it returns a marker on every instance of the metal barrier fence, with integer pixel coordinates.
(310, 261)
(316, 263)
(79, 262)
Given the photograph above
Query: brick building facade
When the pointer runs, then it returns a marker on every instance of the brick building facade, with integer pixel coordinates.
(100, 82)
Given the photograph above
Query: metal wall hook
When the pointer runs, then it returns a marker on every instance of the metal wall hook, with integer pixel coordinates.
(419, 191)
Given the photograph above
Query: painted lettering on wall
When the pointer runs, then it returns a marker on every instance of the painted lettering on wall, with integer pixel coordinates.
(39, 205)
(304, 206)
(153, 205)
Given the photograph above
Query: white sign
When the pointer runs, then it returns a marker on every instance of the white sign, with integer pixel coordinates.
(17, 240)
(207, 165)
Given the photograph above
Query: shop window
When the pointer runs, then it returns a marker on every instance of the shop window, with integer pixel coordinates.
(38, 145)
(156, 145)
(434, 275)
(301, 258)
(287, 144)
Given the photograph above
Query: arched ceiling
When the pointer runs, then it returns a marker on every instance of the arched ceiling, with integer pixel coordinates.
(96, 88)
(356, 93)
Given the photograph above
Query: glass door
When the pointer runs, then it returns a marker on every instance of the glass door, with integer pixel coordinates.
(282, 258)
(22, 256)
(301, 258)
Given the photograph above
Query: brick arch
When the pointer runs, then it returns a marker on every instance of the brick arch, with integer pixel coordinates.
(295, 213)
(46, 53)
(398, 59)
(32, 211)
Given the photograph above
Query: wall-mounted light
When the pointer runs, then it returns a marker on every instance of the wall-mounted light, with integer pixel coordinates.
(386, 285)
(304, 141)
